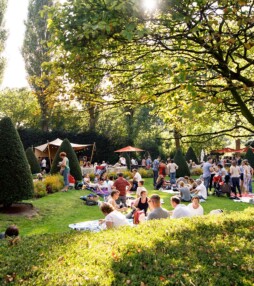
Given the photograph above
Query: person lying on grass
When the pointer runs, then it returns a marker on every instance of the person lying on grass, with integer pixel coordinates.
(113, 218)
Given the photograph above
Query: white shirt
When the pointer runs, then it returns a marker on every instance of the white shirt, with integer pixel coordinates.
(202, 191)
(235, 171)
(180, 211)
(195, 212)
(137, 177)
(43, 163)
(110, 184)
(172, 167)
(117, 219)
(122, 160)
(139, 190)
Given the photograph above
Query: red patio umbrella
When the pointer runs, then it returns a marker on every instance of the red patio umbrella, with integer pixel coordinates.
(129, 149)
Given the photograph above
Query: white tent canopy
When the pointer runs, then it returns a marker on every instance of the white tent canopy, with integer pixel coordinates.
(49, 149)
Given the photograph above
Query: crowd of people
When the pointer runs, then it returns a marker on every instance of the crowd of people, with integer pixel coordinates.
(189, 190)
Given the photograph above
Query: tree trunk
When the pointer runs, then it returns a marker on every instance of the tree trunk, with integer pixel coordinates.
(93, 118)
(177, 137)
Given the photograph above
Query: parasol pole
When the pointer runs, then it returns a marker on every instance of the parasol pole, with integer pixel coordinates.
(49, 155)
(92, 152)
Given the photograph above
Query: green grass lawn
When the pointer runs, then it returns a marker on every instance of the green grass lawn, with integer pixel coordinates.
(57, 211)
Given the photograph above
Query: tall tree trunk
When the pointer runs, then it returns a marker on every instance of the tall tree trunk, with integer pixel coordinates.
(93, 117)
(177, 137)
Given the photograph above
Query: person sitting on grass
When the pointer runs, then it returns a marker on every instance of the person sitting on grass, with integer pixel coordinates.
(200, 190)
(195, 208)
(114, 196)
(157, 212)
(113, 218)
(140, 188)
(140, 204)
(180, 210)
(184, 192)
(11, 233)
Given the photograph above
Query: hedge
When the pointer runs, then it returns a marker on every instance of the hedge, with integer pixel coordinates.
(32, 160)
(210, 250)
(15, 175)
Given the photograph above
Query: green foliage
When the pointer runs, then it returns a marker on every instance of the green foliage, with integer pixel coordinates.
(36, 51)
(39, 189)
(21, 106)
(196, 171)
(3, 5)
(145, 173)
(75, 169)
(32, 160)
(15, 175)
(190, 155)
(127, 252)
(250, 157)
(183, 169)
(55, 181)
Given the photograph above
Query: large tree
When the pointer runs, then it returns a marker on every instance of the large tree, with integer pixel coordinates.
(2, 36)
(35, 52)
(183, 55)
(21, 106)
(15, 175)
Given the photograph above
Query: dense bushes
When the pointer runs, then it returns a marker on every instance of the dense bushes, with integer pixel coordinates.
(50, 184)
(15, 175)
(211, 250)
(32, 160)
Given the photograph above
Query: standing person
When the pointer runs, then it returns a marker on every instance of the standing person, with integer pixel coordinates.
(123, 187)
(207, 170)
(43, 164)
(172, 171)
(156, 163)
(235, 174)
(122, 161)
(65, 170)
(162, 168)
(143, 163)
(148, 162)
(157, 212)
(246, 175)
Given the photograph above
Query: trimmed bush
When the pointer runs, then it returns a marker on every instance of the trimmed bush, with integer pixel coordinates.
(15, 175)
(210, 250)
(183, 169)
(250, 157)
(75, 169)
(32, 160)
(190, 155)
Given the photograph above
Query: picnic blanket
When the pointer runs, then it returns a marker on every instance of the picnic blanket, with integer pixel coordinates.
(92, 225)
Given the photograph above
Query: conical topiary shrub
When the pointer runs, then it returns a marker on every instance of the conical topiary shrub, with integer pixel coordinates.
(75, 169)
(250, 157)
(190, 155)
(15, 175)
(32, 160)
(183, 169)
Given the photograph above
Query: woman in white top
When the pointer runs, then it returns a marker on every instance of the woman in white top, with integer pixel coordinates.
(113, 218)
(195, 208)
(246, 176)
